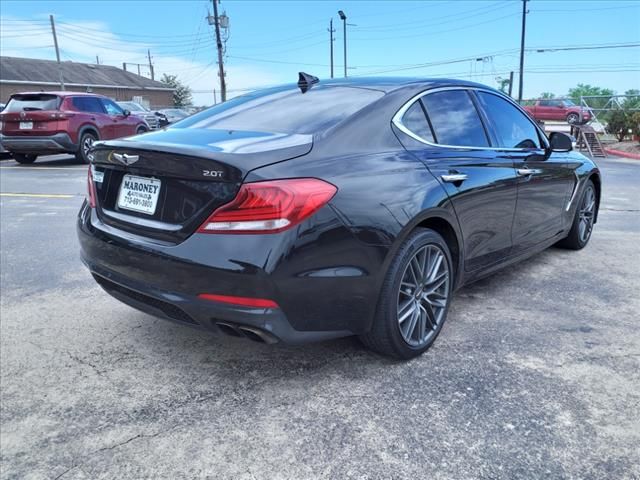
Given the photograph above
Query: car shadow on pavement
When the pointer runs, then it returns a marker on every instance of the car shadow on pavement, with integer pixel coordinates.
(197, 353)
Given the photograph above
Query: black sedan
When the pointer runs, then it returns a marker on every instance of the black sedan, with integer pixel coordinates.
(333, 208)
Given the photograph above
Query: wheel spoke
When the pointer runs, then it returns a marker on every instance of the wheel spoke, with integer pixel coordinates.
(417, 269)
(431, 316)
(407, 309)
(435, 267)
(412, 324)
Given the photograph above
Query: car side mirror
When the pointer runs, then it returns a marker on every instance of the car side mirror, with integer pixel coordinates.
(561, 142)
(126, 113)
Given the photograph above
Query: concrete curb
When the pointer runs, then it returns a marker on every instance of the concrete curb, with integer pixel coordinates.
(620, 153)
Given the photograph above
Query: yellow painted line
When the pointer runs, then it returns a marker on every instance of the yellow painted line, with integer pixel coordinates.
(44, 168)
(37, 195)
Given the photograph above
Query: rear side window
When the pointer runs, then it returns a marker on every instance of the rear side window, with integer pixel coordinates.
(285, 110)
(454, 119)
(87, 104)
(415, 120)
(32, 102)
(514, 129)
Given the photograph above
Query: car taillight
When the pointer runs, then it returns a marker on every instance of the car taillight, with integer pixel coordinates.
(270, 207)
(61, 115)
(91, 189)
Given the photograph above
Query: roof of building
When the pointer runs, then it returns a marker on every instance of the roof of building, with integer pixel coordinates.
(31, 71)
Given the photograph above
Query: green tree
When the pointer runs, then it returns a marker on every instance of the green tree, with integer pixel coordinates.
(547, 95)
(619, 124)
(633, 99)
(182, 93)
(503, 84)
(584, 90)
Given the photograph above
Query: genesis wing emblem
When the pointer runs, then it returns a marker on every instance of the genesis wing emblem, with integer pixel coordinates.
(126, 159)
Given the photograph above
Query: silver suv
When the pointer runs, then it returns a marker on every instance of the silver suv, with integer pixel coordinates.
(143, 112)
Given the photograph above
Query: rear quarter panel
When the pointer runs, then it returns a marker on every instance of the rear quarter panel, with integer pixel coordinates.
(383, 193)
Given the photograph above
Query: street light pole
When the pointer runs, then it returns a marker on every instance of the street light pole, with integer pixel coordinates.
(343, 17)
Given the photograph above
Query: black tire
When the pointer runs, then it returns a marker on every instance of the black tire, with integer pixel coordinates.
(583, 220)
(86, 140)
(573, 119)
(387, 335)
(141, 130)
(24, 158)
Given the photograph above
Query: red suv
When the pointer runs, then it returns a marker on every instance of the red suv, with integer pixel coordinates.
(43, 123)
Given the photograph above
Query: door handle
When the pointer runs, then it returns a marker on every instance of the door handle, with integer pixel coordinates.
(454, 177)
(524, 172)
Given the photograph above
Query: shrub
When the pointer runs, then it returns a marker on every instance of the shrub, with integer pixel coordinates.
(619, 124)
(635, 124)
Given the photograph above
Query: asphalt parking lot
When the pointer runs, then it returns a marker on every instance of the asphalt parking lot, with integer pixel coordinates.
(535, 375)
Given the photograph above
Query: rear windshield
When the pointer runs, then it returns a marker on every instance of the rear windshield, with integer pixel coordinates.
(32, 102)
(284, 110)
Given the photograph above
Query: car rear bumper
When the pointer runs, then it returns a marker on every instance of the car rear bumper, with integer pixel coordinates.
(165, 281)
(60, 142)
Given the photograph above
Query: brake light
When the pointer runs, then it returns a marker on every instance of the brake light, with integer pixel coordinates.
(61, 115)
(270, 207)
(242, 301)
(91, 189)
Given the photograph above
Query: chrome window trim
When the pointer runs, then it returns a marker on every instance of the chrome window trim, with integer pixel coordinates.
(397, 120)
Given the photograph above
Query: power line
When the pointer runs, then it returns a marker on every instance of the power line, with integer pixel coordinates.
(437, 20)
(429, 33)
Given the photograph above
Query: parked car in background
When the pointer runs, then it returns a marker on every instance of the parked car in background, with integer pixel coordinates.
(308, 212)
(153, 119)
(556, 109)
(3, 153)
(174, 114)
(44, 123)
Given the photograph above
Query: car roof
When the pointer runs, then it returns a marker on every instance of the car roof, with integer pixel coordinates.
(388, 84)
(61, 94)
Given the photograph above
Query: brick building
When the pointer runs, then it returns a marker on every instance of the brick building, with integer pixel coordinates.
(28, 74)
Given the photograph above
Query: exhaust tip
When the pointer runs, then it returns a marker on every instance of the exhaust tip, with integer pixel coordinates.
(252, 333)
(228, 329)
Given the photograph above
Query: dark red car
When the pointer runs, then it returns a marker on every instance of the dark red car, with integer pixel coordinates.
(557, 109)
(44, 123)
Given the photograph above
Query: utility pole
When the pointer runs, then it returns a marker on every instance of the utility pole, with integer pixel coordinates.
(150, 64)
(223, 83)
(55, 43)
(97, 60)
(331, 32)
(524, 25)
(343, 17)
(510, 82)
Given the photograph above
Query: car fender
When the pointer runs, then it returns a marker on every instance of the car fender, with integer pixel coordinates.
(422, 219)
(88, 126)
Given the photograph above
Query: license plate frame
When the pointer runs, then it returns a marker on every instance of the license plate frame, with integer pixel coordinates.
(137, 195)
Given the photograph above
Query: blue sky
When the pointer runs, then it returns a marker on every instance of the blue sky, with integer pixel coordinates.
(270, 41)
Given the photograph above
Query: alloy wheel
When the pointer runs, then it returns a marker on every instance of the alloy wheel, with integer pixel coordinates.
(587, 214)
(423, 295)
(87, 143)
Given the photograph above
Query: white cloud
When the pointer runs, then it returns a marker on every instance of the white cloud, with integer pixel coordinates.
(82, 41)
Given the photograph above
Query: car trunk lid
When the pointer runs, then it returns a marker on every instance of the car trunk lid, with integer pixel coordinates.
(31, 114)
(195, 171)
